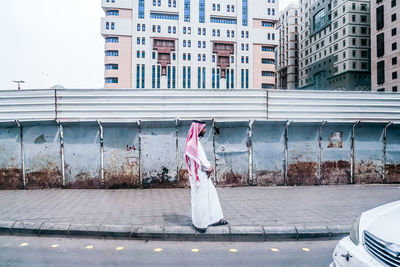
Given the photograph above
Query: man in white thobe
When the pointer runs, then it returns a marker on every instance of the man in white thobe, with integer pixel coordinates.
(206, 209)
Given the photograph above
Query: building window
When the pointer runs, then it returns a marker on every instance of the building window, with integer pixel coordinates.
(141, 9)
(111, 80)
(153, 77)
(204, 77)
(394, 60)
(394, 75)
(222, 20)
(394, 31)
(199, 77)
(158, 76)
(379, 18)
(138, 76)
(394, 46)
(267, 49)
(112, 53)
(244, 12)
(247, 78)
(393, 3)
(380, 45)
(107, 25)
(187, 11)
(184, 78)
(394, 89)
(217, 78)
(158, 28)
(138, 54)
(319, 20)
(112, 40)
(267, 61)
(268, 73)
(174, 75)
(112, 13)
(381, 72)
(394, 17)
(201, 11)
(213, 79)
(169, 29)
(174, 29)
(143, 76)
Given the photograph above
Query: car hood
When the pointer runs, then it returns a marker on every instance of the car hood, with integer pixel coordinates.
(383, 222)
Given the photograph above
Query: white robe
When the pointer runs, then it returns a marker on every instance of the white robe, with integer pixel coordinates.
(206, 208)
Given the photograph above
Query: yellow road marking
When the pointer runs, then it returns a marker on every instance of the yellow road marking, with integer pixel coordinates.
(158, 249)
(55, 246)
(233, 250)
(274, 250)
(89, 247)
(24, 244)
(195, 250)
(306, 249)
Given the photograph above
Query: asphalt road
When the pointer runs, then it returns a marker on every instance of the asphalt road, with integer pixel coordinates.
(46, 251)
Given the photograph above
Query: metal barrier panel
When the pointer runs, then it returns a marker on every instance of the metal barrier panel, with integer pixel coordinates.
(158, 154)
(160, 104)
(82, 155)
(10, 156)
(392, 166)
(27, 104)
(317, 105)
(335, 153)
(368, 153)
(303, 151)
(121, 155)
(207, 143)
(42, 154)
(232, 153)
(268, 144)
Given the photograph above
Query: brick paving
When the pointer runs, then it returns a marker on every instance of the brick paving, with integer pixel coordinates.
(268, 206)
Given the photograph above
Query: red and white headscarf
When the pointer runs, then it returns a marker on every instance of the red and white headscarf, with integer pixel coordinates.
(191, 150)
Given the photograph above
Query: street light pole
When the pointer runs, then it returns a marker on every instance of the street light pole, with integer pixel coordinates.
(19, 84)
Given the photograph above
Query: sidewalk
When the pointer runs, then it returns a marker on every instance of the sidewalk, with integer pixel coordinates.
(254, 213)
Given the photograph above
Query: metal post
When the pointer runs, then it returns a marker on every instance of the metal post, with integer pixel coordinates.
(320, 150)
(288, 123)
(215, 157)
(101, 154)
(176, 151)
(22, 153)
(384, 150)
(352, 153)
(61, 129)
(251, 182)
(140, 154)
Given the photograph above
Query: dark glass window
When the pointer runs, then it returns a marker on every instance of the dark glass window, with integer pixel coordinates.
(379, 18)
(393, 3)
(380, 45)
(381, 72)
(394, 60)
(394, 17)
(394, 75)
(394, 46)
(394, 89)
(394, 31)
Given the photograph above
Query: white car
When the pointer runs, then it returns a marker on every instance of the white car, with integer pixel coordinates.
(374, 239)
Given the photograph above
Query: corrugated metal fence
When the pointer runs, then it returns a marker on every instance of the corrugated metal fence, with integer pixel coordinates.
(237, 104)
(149, 154)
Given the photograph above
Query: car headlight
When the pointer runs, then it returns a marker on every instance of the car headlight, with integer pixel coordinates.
(355, 230)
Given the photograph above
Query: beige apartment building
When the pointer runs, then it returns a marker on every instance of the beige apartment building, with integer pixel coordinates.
(189, 44)
(335, 45)
(385, 42)
(288, 47)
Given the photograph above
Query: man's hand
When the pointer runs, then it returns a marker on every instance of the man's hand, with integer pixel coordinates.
(210, 170)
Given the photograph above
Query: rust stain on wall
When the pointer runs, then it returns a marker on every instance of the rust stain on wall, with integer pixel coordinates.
(47, 178)
(302, 173)
(120, 180)
(232, 179)
(265, 178)
(335, 172)
(367, 173)
(183, 178)
(159, 180)
(11, 179)
(84, 181)
(392, 173)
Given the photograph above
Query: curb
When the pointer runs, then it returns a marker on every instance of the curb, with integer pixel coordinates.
(229, 233)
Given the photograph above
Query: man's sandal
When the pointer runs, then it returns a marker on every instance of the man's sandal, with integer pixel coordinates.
(220, 222)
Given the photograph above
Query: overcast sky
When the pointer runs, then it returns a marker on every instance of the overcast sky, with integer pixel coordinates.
(53, 42)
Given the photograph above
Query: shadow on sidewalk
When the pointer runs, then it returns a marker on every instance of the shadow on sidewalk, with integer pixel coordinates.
(177, 219)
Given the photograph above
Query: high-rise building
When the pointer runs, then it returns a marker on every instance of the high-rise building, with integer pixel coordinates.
(189, 44)
(385, 42)
(288, 48)
(335, 45)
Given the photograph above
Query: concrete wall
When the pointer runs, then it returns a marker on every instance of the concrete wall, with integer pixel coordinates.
(149, 154)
